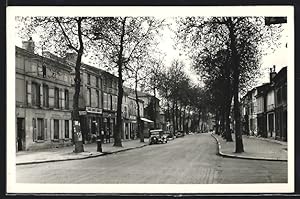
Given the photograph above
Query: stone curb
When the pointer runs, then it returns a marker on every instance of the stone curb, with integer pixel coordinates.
(267, 140)
(81, 158)
(241, 156)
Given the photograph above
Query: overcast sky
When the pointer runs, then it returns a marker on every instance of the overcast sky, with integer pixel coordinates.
(277, 57)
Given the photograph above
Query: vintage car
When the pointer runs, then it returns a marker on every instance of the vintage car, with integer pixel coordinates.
(179, 134)
(157, 136)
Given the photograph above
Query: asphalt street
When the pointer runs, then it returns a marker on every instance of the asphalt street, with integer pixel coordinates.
(188, 160)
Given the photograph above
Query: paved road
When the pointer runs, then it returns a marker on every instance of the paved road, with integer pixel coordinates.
(187, 160)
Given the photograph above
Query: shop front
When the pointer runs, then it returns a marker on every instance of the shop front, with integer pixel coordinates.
(92, 123)
(109, 123)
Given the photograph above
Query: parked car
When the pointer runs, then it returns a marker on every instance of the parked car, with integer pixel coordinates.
(170, 136)
(179, 134)
(157, 136)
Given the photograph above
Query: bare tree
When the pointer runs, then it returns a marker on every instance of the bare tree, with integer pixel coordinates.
(242, 37)
(124, 41)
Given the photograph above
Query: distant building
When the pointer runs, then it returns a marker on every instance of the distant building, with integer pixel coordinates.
(152, 108)
(264, 108)
(280, 91)
(130, 114)
(271, 106)
(43, 100)
(261, 100)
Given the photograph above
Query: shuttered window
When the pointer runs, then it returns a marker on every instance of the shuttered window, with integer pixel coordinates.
(46, 95)
(66, 99)
(56, 97)
(35, 95)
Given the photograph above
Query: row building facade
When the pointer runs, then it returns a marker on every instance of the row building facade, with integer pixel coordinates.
(44, 101)
(264, 108)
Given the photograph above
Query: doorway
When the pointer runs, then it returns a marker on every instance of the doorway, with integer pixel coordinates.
(20, 134)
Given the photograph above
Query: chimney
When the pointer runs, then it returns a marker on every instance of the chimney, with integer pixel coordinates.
(28, 45)
(272, 73)
(71, 57)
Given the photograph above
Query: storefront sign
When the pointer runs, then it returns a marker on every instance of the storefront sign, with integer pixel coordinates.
(94, 110)
(133, 117)
(82, 112)
(111, 115)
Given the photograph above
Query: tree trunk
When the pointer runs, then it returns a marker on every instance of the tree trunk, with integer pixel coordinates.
(140, 132)
(217, 123)
(222, 122)
(180, 117)
(188, 119)
(176, 114)
(228, 135)
(118, 129)
(154, 118)
(168, 112)
(75, 115)
(184, 119)
(173, 117)
(239, 148)
(199, 119)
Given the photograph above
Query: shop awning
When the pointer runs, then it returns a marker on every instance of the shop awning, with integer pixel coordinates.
(146, 120)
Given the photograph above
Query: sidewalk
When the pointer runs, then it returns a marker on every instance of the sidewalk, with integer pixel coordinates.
(66, 153)
(254, 147)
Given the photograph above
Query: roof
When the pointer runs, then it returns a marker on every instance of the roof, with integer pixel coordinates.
(57, 62)
(281, 74)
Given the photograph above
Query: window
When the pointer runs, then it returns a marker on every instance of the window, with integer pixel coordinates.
(100, 83)
(35, 94)
(97, 82)
(279, 99)
(111, 102)
(284, 93)
(66, 99)
(56, 129)
(109, 83)
(56, 97)
(98, 100)
(44, 70)
(66, 128)
(105, 101)
(46, 95)
(88, 79)
(40, 129)
(89, 97)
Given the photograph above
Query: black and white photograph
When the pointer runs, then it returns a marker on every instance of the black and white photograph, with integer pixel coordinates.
(150, 99)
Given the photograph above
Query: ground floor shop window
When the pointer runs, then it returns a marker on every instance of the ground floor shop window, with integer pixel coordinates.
(56, 129)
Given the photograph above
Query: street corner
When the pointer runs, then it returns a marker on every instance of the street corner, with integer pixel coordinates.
(226, 149)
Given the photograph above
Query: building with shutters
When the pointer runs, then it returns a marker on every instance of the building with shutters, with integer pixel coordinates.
(97, 101)
(43, 100)
(264, 108)
(129, 114)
